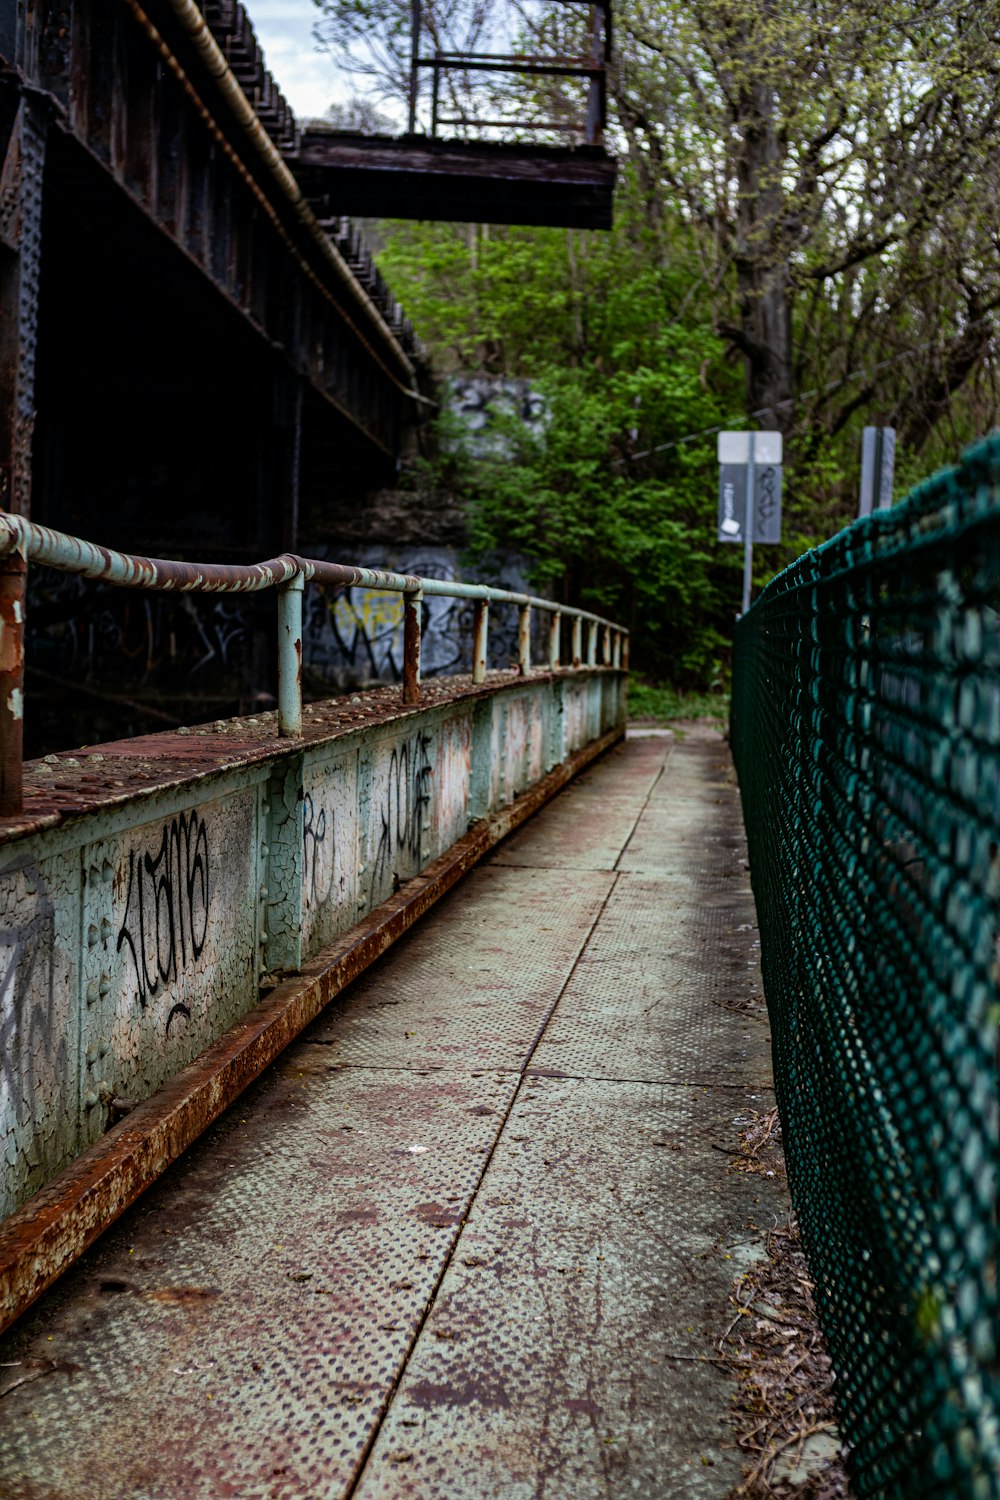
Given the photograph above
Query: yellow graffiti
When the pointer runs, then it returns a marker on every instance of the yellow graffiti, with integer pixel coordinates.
(372, 614)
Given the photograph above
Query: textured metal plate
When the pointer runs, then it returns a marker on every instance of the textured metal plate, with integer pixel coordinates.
(473, 988)
(565, 1354)
(590, 825)
(657, 993)
(240, 1332)
(328, 1286)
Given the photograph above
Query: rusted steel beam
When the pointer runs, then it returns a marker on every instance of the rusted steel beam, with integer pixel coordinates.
(21, 176)
(412, 604)
(13, 572)
(192, 20)
(485, 181)
(55, 1227)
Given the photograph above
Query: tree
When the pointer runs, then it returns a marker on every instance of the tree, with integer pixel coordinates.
(837, 166)
(809, 209)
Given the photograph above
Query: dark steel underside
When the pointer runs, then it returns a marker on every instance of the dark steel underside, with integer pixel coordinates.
(414, 177)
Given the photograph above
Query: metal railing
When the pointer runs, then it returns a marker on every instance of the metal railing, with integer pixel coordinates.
(22, 542)
(590, 68)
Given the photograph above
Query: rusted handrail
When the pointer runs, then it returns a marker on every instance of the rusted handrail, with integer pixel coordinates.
(23, 542)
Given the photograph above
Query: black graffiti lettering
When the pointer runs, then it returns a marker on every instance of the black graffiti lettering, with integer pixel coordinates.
(316, 839)
(407, 797)
(82, 626)
(166, 906)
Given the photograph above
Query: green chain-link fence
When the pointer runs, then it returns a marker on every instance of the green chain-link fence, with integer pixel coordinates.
(866, 732)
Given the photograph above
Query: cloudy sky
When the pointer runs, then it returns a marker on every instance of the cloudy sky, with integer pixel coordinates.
(306, 77)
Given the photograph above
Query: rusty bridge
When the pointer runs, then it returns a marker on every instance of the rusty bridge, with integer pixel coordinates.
(373, 1064)
(292, 1214)
(386, 1101)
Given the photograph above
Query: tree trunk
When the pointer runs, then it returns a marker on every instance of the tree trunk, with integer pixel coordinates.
(764, 332)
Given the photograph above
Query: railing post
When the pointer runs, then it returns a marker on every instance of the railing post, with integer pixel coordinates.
(555, 640)
(524, 639)
(616, 650)
(13, 576)
(605, 645)
(577, 640)
(592, 643)
(480, 633)
(290, 657)
(411, 646)
(625, 651)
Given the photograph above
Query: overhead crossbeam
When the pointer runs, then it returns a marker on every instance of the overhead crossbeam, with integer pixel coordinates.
(481, 182)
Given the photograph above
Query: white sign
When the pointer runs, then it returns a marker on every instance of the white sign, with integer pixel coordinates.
(734, 447)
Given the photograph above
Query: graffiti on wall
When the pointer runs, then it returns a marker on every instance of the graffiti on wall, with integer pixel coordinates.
(484, 406)
(319, 843)
(165, 922)
(78, 626)
(405, 799)
(34, 1059)
(356, 636)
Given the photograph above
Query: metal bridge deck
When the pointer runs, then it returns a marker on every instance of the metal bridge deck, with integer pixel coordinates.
(472, 1236)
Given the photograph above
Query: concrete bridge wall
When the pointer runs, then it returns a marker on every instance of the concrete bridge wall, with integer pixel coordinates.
(139, 921)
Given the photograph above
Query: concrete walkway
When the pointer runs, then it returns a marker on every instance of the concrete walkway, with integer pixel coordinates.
(475, 1235)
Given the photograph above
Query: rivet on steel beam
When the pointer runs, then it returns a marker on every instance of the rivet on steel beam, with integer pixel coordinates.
(290, 657)
(92, 992)
(412, 603)
(479, 639)
(524, 639)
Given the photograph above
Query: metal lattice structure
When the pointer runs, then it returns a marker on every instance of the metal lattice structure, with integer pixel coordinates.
(866, 732)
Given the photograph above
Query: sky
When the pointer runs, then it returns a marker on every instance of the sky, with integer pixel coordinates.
(307, 78)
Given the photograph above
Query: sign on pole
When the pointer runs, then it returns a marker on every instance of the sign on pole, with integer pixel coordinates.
(749, 493)
(732, 502)
(878, 463)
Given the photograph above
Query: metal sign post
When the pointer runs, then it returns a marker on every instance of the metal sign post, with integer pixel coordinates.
(749, 494)
(748, 530)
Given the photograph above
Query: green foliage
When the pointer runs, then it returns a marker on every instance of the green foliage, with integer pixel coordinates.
(805, 231)
(609, 336)
(647, 700)
(640, 549)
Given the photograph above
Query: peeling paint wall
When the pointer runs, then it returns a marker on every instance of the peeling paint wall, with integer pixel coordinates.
(133, 936)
